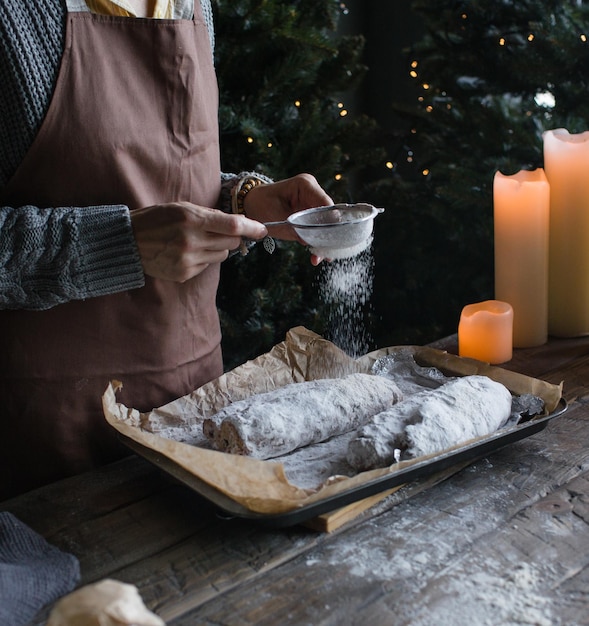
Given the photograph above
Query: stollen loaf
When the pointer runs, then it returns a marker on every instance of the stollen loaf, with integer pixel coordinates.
(274, 423)
(431, 421)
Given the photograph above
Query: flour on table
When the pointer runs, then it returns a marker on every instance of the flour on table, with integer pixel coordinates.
(486, 599)
(468, 593)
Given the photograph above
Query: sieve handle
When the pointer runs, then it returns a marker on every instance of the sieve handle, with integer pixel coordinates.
(276, 223)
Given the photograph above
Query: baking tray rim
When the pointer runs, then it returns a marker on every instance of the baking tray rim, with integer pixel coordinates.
(428, 467)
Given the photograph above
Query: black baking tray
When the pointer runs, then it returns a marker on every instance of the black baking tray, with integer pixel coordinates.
(426, 468)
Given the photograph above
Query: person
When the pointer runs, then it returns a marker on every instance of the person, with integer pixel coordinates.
(114, 219)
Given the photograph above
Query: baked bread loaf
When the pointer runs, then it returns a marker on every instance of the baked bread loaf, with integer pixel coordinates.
(431, 421)
(274, 423)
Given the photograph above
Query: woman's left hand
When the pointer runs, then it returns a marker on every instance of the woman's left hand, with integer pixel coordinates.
(276, 201)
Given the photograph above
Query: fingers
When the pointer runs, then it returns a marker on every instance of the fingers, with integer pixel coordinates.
(276, 201)
(237, 226)
(311, 194)
(177, 241)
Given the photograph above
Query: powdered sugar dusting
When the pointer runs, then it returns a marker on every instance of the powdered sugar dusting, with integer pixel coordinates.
(487, 599)
(456, 583)
(447, 558)
(345, 285)
(341, 253)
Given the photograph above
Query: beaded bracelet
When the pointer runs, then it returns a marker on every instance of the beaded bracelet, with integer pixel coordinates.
(238, 195)
(241, 190)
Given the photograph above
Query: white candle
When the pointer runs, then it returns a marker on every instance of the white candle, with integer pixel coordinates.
(521, 220)
(485, 331)
(566, 162)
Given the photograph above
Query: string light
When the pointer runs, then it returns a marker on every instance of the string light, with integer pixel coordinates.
(338, 177)
(413, 72)
(343, 112)
(250, 140)
(390, 165)
(542, 99)
(297, 103)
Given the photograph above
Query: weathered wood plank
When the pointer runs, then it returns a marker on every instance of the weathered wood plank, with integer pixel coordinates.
(225, 554)
(93, 494)
(472, 550)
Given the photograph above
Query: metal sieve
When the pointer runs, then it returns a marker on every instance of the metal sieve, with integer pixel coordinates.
(334, 228)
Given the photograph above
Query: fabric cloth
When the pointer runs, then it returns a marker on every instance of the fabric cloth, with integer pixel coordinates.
(162, 9)
(33, 573)
(32, 40)
(50, 257)
(153, 139)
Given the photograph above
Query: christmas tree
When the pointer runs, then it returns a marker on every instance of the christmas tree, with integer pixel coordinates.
(490, 77)
(283, 70)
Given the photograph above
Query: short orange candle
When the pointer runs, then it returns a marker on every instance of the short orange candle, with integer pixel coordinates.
(485, 331)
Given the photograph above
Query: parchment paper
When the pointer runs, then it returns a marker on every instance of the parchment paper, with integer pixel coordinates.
(175, 430)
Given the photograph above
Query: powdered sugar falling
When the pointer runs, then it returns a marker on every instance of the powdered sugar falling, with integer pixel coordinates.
(345, 286)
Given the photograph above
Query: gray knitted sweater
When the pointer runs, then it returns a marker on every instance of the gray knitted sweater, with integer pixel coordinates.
(51, 256)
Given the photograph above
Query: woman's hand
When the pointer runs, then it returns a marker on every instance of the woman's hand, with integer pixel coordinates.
(276, 201)
(177, 241)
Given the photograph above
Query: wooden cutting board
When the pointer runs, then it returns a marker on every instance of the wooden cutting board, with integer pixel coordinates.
(332, 520)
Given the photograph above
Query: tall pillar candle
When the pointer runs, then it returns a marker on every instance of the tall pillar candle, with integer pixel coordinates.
(566, 163)
(521, 206)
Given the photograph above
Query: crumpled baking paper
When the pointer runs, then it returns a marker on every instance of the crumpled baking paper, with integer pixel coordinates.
(174, 431)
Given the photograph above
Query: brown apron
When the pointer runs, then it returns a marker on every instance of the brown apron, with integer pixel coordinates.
(133, 121)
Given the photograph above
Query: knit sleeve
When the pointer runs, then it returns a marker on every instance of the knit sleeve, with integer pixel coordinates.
(51, 256)
(229, 181)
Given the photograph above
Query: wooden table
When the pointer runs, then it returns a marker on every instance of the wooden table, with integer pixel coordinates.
(503, 541)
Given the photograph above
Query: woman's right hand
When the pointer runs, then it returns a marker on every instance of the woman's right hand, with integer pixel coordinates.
(179, 240)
